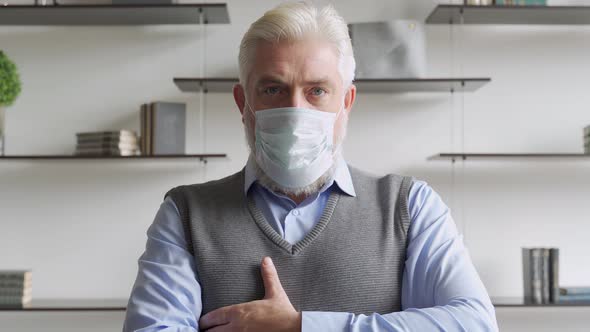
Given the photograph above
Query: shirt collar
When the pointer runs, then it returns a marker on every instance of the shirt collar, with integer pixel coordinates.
(342, 176)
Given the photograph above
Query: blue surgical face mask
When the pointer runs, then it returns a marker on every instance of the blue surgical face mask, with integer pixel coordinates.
(294, 146)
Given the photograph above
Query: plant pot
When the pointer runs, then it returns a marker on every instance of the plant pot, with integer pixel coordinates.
(2, 128)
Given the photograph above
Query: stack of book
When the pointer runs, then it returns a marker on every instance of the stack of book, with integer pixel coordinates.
(587, 140)
(144, 2)
(15, 288)
(574, 294)
(107, 143)
(540, 275)
(521, 2)
(163, 128)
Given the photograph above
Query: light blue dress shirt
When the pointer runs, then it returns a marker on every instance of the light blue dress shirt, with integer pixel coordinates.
(441, 290)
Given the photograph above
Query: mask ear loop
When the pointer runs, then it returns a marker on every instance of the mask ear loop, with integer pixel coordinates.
(249, 108)
(338, 149)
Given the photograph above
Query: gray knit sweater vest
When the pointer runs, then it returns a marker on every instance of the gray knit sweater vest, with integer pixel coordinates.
(351, 261)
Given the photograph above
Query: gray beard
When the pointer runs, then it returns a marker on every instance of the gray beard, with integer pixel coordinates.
(265, 181)
(273, 186)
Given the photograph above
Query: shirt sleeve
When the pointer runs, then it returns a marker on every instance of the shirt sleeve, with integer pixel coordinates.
(166, 295)
(441, 290)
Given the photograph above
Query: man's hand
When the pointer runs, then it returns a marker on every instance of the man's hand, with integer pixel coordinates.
(273, 313)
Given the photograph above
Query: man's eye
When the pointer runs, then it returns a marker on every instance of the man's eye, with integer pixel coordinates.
(318, 91)
(273, 90)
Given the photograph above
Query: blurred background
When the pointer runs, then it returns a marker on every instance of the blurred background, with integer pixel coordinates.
(79, 223)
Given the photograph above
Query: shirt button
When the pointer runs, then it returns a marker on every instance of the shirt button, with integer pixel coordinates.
(295, 212)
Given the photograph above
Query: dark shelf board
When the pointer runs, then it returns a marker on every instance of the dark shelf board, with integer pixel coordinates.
(73, 157)
(464, 156)
(120, 304)
(363, 85)
(561, 15)
(72, 305)
(186, 84)
(420, 85)
(520, 302)
(213, 13)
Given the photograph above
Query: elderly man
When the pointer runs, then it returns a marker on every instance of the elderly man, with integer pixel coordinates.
(299, 240)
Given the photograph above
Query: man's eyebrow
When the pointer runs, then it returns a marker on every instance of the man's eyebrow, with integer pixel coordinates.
(275, 80)
(269, 80)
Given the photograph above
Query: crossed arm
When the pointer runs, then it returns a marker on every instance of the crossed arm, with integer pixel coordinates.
(441, 290)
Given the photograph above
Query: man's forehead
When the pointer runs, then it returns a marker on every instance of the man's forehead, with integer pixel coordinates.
(307, 60)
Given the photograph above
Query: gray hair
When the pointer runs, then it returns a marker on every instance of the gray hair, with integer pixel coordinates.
(292, 21)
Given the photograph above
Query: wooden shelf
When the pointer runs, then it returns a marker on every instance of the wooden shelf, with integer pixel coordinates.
(401, 85)
(213, 13)
(464, 156)
(121, 304)
(520, 302)
(420, 85)
(208, 84)
(74, 157)
(552, 15)
(72, 305)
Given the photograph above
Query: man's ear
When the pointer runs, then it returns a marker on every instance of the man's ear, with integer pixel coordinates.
(240, 98)
(349, 98)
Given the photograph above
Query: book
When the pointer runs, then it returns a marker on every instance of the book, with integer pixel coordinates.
(109, 139)
(162, 128)
(142, 129)
(521, 2)
(574, 290)
(106, 145)
(537, 279)
(545, 276)
(15, 288)
(527, 273)
(9, 275)
(110, 134)
(146, 129)
(105, 152)
(574, 298)
(554, 277)
(6, 286)
(16, 283)
(150, 128)
(9, 292)
(541, 275)
(532, 277)
(15, 301)
(168, 128)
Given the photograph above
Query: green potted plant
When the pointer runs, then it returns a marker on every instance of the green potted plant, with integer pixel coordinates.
(10, 87)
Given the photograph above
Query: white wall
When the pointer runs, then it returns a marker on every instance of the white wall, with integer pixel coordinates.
(80, 226)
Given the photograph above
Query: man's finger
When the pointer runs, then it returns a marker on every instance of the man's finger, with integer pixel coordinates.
(219, 328)
(216, 317)
(272, 284)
